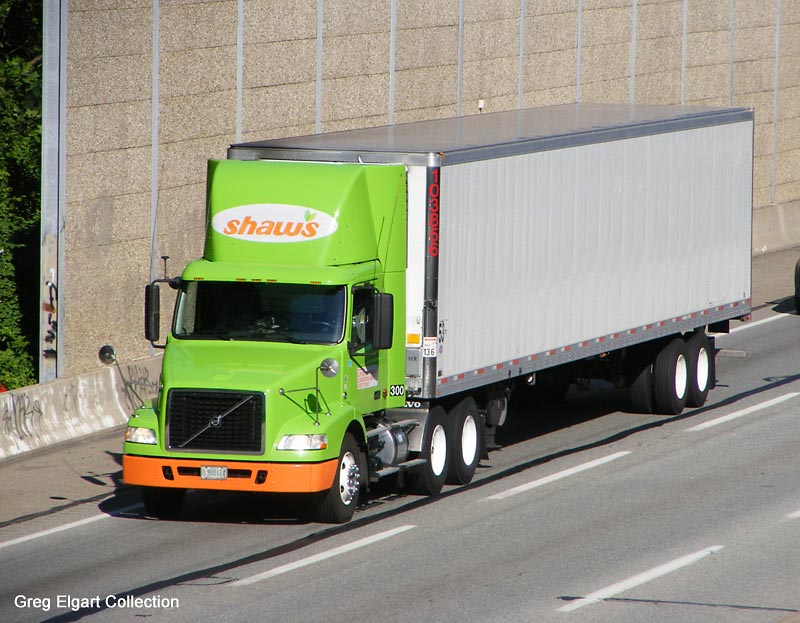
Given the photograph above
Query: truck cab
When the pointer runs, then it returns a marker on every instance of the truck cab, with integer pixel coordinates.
(281, 340)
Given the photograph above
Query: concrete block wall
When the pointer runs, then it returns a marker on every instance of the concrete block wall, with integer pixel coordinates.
(106, 222)
(426, 56)
(550, 59)
(154, 88)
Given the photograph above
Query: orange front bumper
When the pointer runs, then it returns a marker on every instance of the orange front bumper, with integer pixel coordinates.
(242, 475)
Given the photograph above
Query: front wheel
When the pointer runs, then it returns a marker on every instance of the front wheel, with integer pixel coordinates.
(429, 478)
(337, 504)
(464, 442)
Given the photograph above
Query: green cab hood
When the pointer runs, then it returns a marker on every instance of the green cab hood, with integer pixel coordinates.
(241, 365)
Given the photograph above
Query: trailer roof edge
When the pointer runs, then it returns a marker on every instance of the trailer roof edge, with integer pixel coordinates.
(491, 135)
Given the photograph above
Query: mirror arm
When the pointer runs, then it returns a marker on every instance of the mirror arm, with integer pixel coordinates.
(108, 356)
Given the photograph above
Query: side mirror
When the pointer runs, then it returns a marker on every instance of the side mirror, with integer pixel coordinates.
(383, 324)
(373, 320)
(152, 312)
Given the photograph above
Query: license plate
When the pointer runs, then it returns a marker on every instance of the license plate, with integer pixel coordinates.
(214, 472)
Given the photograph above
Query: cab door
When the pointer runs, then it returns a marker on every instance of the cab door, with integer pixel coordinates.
(366, 378)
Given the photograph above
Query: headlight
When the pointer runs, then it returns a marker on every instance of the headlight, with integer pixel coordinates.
(135, 434)
(303, 442)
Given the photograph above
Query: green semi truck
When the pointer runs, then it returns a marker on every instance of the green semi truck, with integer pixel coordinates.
(368, 301)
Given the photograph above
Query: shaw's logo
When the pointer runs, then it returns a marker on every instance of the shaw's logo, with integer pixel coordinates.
(273, 222)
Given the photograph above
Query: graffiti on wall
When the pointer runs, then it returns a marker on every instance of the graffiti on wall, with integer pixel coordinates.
(22, 415)
(50, 307)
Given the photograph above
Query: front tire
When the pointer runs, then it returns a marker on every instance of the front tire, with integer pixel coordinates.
(671, 378)
(464, 440)
(337, 504)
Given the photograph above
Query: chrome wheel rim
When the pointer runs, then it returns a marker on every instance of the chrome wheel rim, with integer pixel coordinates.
(349, 476)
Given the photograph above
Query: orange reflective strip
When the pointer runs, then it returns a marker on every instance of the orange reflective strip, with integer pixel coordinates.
(281, 477)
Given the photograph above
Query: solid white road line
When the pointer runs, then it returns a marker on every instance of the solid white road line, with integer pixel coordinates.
(68, 526)
(349, 547)
(795, 515)
(638, 580)
(557, 476)
(742, 412)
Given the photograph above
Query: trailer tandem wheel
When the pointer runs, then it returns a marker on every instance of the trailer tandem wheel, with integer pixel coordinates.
(670, 378)
(641, 389)
(701, 369)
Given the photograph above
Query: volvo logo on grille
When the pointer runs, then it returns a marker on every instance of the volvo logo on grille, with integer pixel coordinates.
(215, 421)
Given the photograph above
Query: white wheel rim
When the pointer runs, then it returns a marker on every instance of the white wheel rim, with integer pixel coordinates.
(469, 440)
(702, 371)
(681, 376)
(438, 450)
(348, 478)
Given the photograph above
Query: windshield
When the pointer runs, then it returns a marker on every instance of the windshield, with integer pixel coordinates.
(273, 312)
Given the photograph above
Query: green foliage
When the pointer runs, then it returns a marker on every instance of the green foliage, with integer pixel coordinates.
(20, 174)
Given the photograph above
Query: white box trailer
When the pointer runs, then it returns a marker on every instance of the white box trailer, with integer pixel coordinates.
(543, 236)
(619, 226)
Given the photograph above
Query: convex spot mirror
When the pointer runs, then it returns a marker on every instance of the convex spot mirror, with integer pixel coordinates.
(107, 355)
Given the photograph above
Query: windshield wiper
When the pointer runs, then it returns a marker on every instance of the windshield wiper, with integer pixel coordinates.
(288, 337)
(215, 421)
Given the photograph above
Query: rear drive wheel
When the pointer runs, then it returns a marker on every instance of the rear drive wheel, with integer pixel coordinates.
(337, 504)
(464, 442)
(701, 369)
(671, 378)
(428, 479)
(163, 501)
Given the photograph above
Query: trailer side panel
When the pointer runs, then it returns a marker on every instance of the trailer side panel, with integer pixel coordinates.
(552, 255)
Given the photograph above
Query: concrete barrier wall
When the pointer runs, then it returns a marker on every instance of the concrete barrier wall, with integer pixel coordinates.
(776, 227)
(42, 415)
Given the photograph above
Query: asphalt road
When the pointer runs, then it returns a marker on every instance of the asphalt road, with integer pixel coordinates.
(587, 513)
